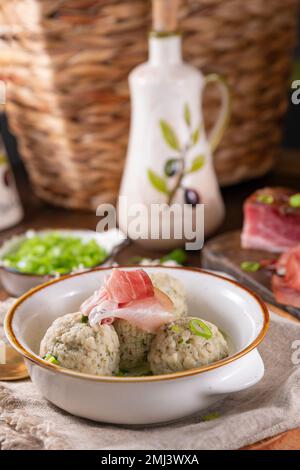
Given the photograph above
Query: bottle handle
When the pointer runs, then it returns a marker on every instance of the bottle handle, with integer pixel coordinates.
(217, 132)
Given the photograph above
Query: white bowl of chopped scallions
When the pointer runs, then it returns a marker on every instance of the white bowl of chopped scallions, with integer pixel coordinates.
(34, 257)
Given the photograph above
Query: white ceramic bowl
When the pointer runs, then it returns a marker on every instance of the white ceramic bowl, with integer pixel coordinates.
(17, 283)
(153, 399)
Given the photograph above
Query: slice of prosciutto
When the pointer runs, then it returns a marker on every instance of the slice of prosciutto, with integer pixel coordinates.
(129, 295)
(121, 287)
(125, 286)
(270, 222)
(148, 314)
(97, 298)
(292, 274)
(286, 283)
(284, 294)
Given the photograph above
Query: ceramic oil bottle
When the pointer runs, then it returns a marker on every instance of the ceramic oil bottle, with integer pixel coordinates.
(169, 157)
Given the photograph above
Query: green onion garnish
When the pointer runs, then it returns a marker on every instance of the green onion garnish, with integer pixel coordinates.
(50, 358)
(3, 160)
(265, 198)
(122, 373)
(54, 253)
(139, 371)
(211, 416)
(199, 328)
(176, 328)
(178, 255)
(84, 319)
(294, 201)
(250, 266)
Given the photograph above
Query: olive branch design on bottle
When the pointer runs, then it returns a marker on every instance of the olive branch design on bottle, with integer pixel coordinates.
(176, 166)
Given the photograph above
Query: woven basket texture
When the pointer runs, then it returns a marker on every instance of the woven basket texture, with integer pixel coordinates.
(67, 65)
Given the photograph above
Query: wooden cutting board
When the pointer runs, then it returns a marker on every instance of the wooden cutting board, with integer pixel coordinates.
(224, 253)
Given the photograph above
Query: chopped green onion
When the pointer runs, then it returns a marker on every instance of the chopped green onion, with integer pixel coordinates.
(294, 201)
(84, 319)
(141, 370)
(250, 266)
(211, 416)
(3, 160)
(178, 255)
(199, 328)
(265, 198)
(138, 371)
(176, 328)
(50, 358)
(54, 253)
(122, 373)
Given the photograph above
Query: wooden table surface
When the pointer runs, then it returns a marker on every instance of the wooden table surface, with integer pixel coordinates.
(38, 215)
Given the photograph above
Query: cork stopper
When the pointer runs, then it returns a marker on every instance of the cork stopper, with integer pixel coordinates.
(165, 15)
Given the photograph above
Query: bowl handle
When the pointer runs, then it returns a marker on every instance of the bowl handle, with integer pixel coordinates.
(238, 375)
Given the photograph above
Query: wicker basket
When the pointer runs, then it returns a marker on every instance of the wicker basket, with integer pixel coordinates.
(67, 63)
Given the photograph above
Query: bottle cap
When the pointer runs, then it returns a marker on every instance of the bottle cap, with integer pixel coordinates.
(165, 15)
